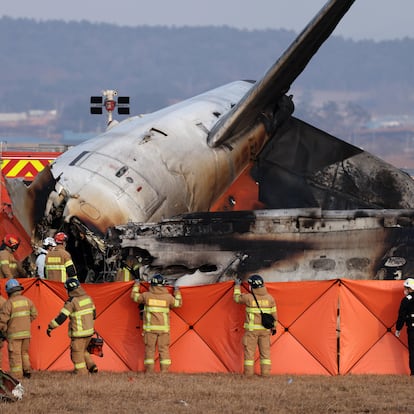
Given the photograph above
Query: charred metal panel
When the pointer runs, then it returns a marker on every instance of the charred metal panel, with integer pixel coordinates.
(280, 245)
(302, 166)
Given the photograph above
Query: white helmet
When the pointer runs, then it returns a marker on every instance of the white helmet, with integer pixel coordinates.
(409, 283)
(49, 241)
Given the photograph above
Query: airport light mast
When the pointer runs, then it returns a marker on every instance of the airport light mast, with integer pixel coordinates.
(107, 100)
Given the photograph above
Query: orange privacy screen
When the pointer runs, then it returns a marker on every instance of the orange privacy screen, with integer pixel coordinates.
(333, 327)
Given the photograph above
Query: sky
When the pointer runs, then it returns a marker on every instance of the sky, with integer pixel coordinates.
(367, 19)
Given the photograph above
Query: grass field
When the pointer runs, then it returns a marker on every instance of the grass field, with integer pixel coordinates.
(61, 392)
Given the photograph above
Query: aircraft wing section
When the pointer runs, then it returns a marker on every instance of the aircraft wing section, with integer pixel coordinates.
(266, 93)
(303, 166)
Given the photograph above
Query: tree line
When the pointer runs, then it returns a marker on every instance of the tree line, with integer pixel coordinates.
(59, 65)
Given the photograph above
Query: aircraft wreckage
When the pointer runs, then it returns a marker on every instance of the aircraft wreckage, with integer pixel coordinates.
(281, 245)
(146, 188)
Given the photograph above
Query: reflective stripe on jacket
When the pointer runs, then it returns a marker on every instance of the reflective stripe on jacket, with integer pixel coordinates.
(9, 267)
(157, 304)
(253, 321)
(56, 264)
(16, 316)
(81, 312)
(125, 275)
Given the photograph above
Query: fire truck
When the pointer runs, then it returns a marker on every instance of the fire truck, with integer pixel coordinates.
(21, 163)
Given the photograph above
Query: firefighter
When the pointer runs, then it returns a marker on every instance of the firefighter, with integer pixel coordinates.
(16, 316)
(9, 266)
(255, 334)
(406, 316)
(157, 304)
(48, 244)
(129, 270)
(82, 314)
(58, 263)
(2, 336)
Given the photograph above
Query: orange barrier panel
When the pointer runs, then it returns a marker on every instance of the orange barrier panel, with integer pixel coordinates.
(306, 339)
(368, 312)
(206, 331)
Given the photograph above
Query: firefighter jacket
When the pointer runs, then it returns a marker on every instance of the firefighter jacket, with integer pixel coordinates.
(157, 304)
(406, 313)
(59, 265)
(267, 304)
(129, 271)
(16, 316)
(2, 335)
(9, 267)
(80, 310)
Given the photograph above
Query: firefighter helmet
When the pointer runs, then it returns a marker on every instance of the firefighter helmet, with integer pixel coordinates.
(409, 283)
(72, 284)
(60, 237)
(11, 241)
(13, 285)
(255, 281)
(157, 280)
(49, 241)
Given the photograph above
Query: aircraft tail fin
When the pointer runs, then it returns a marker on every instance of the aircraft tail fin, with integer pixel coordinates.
(267, 92)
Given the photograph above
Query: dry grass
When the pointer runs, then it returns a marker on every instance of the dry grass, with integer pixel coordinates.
(60, 392)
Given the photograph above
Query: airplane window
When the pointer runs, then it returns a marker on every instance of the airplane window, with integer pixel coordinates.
(358, 263)
(322, 264)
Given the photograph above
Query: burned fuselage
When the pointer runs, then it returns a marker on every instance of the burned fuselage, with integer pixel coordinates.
(332, 211)
(281, 245)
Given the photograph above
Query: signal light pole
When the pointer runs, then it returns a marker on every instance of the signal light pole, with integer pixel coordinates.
(107, 100)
